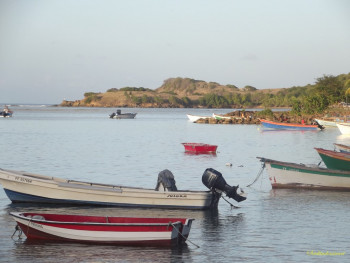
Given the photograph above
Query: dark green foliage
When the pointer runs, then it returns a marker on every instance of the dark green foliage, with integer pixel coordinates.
(265, 113)
(90, 96)
(112, 90)
(136, 89)
(232, 87)
(249, 88)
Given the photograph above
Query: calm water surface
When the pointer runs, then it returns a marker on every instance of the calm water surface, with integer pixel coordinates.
(84, 144)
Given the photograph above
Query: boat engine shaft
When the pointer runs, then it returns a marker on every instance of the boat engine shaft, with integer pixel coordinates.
(214, 180)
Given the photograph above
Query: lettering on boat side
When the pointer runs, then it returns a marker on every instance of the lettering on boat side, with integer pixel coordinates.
(177, 195)
(25, 180)
(36, 225)
(291, 169)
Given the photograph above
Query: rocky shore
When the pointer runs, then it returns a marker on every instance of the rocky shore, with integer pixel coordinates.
(253, 117)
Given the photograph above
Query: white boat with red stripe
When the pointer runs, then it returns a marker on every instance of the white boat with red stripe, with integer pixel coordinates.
(104, 229)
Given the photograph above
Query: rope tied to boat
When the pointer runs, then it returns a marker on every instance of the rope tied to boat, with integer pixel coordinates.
(259, 173)
(20, 232)
(186, 239)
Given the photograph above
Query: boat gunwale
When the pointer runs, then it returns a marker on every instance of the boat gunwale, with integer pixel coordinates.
(305, 167)
(344, 156)
(34, 220)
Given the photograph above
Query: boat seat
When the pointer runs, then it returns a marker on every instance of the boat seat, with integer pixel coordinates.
(38, 217)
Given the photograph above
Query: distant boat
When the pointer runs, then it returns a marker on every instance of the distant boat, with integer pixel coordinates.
(344, 128)
(288, 126)
(292, 175)
(329, 122)
(194, 118)
(335, 160)
(342, 147)
(221, 117)
(104, 229)
(199, 147)
(119, 115)
(6, 113)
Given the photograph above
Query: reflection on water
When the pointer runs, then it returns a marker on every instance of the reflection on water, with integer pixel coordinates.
(29, 251)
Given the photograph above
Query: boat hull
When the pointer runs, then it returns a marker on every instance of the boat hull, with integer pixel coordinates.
(342, 148)
(221, 117)
(291, 175)
(104, 230)
(330, 122)
(194, 118)
(123, 116)
(335, 160)
(199, 148)
(344, 128)
(287, 126)
(21, 187)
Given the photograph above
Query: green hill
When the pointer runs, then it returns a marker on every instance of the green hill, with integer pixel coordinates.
(191, 93)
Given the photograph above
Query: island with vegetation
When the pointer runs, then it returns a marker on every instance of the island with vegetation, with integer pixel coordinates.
(312, 99)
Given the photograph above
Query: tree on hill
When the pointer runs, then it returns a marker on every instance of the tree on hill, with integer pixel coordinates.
(249, 88)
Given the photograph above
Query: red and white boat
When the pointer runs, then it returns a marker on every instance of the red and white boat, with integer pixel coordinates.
(104, 229)
(199, 147)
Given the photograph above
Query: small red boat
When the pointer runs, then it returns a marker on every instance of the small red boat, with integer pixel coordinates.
(199, 147)
(104, 229)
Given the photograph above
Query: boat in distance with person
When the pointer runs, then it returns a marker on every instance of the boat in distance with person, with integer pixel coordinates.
(119, 115)
(27, 187)
(126, 231)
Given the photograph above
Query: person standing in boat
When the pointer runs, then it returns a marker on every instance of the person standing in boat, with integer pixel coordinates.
(6, 111)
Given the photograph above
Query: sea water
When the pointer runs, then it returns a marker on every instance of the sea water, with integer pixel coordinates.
(84, 144)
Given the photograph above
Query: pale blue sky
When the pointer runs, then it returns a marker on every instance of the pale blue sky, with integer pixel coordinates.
(56, 49)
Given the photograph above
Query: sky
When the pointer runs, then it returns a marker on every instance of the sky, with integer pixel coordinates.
(51, 50)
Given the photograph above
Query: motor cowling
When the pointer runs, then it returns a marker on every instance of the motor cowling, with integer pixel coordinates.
(214, 180)
(166, 181)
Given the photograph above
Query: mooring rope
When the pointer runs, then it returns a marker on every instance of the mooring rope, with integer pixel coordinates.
(186, 239)
(232, 206)
(17, 228)
(259, 174)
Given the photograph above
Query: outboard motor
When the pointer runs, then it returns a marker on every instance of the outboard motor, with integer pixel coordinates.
(119, 112)
(215, 181)
(166, 181)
